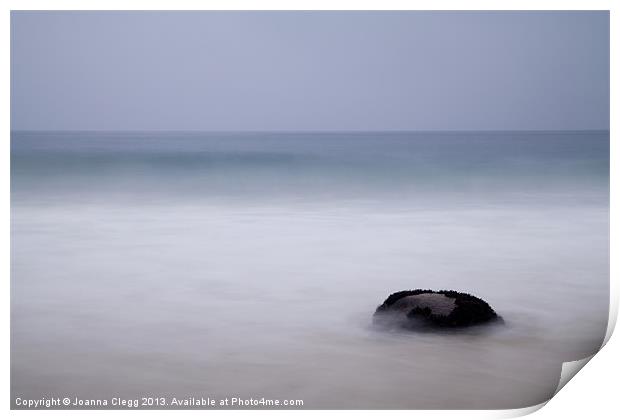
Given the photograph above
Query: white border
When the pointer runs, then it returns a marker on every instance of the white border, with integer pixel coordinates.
(596, 384)
(310, 5)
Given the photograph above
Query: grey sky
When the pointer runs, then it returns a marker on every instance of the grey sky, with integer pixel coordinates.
(309, 70)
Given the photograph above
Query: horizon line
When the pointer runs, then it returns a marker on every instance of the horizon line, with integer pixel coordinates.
(307, 131)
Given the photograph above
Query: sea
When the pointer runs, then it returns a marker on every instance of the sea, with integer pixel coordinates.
(248, 265)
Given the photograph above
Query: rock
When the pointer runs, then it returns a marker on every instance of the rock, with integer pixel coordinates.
(445, 308)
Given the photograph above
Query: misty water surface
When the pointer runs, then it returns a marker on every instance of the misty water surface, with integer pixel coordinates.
(222, 264)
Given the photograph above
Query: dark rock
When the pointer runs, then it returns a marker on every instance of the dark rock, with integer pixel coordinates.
(445, 308)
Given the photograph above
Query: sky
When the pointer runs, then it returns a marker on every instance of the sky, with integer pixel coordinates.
(323, 71)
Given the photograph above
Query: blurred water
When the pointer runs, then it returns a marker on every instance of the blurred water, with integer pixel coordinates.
(222, 264)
